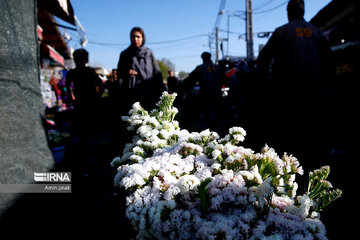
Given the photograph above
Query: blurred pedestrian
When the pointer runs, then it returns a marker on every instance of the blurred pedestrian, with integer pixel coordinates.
(139, 73)
(299, 53)
(83, 83)
(85, 88)
(112, 85)
(208, 75)
(172, 82)
(298, 50)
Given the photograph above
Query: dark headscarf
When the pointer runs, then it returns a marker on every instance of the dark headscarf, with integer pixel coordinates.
(141, 58)
(147, 86)
(141, 31)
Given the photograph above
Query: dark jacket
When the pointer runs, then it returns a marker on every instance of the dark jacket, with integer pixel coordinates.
(173, 84)
(209, 77)
(147, 86)
(299, 52)
(86, 86)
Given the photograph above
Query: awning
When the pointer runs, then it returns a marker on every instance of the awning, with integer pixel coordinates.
(39, 32)
(333, 13)
(344, 46)
(51, 34)
(81, 32)
(55, 55)
(60, 8)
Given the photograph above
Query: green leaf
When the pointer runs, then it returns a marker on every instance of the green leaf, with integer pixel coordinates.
(165, 214)
(205, 198)
(236, 166)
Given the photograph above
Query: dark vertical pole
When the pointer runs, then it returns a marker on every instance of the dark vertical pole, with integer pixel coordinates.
(228, 35)
(217, 45)
(249, 31)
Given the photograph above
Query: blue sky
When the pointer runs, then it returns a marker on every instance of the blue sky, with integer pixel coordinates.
(175, 29)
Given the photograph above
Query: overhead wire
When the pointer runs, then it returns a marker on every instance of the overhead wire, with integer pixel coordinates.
(219, 15)
(117, 45)
(182, 57)
(217, 23)
(178, 40)
(174, 46)
(271, 9)
(211, 36)
(260, 9)
(263, 5)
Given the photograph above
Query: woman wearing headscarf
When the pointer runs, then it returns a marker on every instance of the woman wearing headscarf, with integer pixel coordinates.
(139, 74)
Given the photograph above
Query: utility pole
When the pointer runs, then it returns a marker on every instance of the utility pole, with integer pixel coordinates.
(217, 45)
(228, 36)
(249, 31)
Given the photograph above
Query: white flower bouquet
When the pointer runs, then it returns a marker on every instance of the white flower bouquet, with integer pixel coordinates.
(184, 185)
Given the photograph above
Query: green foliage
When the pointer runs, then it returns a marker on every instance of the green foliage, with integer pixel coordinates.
(165, 106)
(326, 198)
(236, 166)
(318, 188)
(165, 65)
(204, 140)
(205, 198)
(251, 161)
(267, 168)
(153, 173)
(165, 214)
(164, 70)
(173, 140)
(183, 75)
(185, 151)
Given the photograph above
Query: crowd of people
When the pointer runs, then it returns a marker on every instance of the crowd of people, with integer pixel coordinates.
(277, 97)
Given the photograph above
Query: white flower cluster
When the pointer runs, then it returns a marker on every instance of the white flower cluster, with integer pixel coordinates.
(153, 131)
(185, 185)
